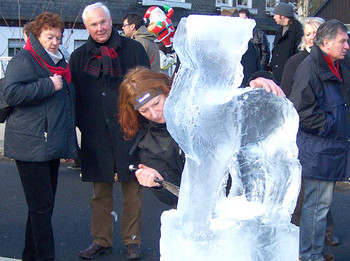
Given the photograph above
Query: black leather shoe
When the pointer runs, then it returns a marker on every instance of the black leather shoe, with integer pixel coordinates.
(93, 251)
(133, 252)
(331, 240)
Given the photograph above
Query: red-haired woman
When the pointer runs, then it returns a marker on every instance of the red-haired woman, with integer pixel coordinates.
(141, 100)
(41, 128)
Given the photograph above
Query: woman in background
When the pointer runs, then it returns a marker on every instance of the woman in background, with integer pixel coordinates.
(311, 25)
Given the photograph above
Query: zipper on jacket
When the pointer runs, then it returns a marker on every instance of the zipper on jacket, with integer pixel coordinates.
(45, 130)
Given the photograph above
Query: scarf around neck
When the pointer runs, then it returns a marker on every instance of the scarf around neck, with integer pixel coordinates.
(64, 72)
(334, 69)
(103, 59)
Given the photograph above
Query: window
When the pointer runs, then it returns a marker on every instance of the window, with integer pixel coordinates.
(14, 46)
(244, 3)
(271, 4)
(78, 43)
(3, 64)
(224, 3)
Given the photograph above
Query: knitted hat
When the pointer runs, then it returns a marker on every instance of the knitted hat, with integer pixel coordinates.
(284, 9)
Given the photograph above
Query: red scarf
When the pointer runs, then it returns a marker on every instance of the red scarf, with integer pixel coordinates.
(105, 60)
(335, 70)
(64, 72)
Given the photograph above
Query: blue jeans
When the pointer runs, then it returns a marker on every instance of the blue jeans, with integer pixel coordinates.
(317, 202)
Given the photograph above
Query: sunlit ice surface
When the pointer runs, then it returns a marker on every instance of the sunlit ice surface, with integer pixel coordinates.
(223, 129)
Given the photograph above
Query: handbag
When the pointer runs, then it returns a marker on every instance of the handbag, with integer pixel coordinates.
(5, 109)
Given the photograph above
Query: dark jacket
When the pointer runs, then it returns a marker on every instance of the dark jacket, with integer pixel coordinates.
(284, 47)
(157, 149)
(322, 103)
(41, 126)
(250, 62)
(290, 68)
(289, 71)
(263, 46)
(104, 151)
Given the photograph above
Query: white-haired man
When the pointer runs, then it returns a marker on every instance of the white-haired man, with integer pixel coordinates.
(97, 69)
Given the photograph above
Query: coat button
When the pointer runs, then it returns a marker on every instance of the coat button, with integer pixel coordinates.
(103, 94)
(107, 120)
(70, 112)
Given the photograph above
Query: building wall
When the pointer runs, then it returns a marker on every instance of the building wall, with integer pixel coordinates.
(71, 10)
(338, 9)
(16, 33)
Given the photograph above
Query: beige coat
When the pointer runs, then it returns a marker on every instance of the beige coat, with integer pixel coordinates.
(143, 36)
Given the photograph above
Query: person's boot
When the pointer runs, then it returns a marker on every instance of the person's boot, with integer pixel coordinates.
(133, 252)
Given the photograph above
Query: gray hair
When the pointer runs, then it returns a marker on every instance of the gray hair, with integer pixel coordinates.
(329, 30)
(315, 23)
(93, 7)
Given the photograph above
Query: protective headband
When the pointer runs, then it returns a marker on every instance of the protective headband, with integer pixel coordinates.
(146, 97)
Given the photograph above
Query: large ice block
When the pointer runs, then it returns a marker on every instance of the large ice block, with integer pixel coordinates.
(223, 129)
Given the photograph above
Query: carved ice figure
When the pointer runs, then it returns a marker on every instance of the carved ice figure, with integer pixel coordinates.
(225, 129)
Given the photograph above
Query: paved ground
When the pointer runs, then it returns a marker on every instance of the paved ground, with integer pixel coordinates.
(71, 218)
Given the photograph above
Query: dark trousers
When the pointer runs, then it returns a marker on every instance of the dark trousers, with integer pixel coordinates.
(39, 181)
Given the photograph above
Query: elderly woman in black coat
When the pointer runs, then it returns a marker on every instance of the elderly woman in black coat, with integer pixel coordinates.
(41, 128)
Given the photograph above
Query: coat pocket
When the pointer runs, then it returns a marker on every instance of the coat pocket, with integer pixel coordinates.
(322, 158)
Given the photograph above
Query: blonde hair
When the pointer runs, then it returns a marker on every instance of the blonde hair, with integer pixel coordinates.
(315, 23)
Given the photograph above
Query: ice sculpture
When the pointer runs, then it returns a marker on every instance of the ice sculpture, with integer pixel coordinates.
(225, 129)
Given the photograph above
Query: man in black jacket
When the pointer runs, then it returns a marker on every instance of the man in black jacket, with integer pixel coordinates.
(287, 39)
(97, 69)
(320, 94)
(259, 40)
